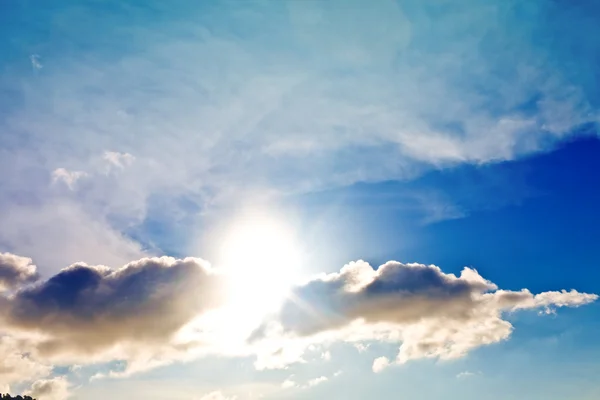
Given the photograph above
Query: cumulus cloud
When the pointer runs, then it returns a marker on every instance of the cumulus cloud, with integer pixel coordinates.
(154, 311)
(50, 389)
(69, 178)
(431, 314)
(85, 313)
(397, 293)
(16, 271)
(380, 363)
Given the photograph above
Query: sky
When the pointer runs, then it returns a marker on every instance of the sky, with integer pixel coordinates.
(299, 199)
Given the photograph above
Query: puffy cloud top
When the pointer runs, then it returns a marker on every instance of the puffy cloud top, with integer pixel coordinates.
(50, 389)
(156, 310)
(431, 313)
(395, 292)
(15, 271)
(90, 308)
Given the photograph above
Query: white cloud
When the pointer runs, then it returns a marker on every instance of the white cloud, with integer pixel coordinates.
(380, 363)
(316, 381)
(69, 178)
(62, 232)
(50, 389)
(288, 384)
(466, 374)
(398, 103)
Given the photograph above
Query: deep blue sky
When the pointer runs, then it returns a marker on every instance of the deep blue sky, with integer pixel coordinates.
(526, 223)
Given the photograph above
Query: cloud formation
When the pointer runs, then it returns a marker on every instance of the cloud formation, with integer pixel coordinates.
(431, 314)
(86, 313)
(16, 365)
(155, 311)
(380, 363)
(50, 389)
(16, 271)
(388, 92)
(316, 381)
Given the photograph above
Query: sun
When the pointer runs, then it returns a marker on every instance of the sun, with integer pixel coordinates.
(261, 259)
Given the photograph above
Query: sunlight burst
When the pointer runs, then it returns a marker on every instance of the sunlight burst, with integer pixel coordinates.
(262, 259)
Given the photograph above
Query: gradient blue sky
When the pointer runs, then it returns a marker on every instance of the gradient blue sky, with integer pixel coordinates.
(448, 133)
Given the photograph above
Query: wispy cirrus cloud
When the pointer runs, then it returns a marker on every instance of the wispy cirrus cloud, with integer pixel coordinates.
(298, 97)
(466, 374)
(484, 93)
(35, 61)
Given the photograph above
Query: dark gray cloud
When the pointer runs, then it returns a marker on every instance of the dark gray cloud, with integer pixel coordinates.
(16, 271)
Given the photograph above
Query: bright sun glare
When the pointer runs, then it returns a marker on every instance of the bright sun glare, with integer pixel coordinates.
(262, 260)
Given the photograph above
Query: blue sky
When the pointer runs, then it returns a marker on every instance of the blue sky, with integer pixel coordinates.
(299, 199)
